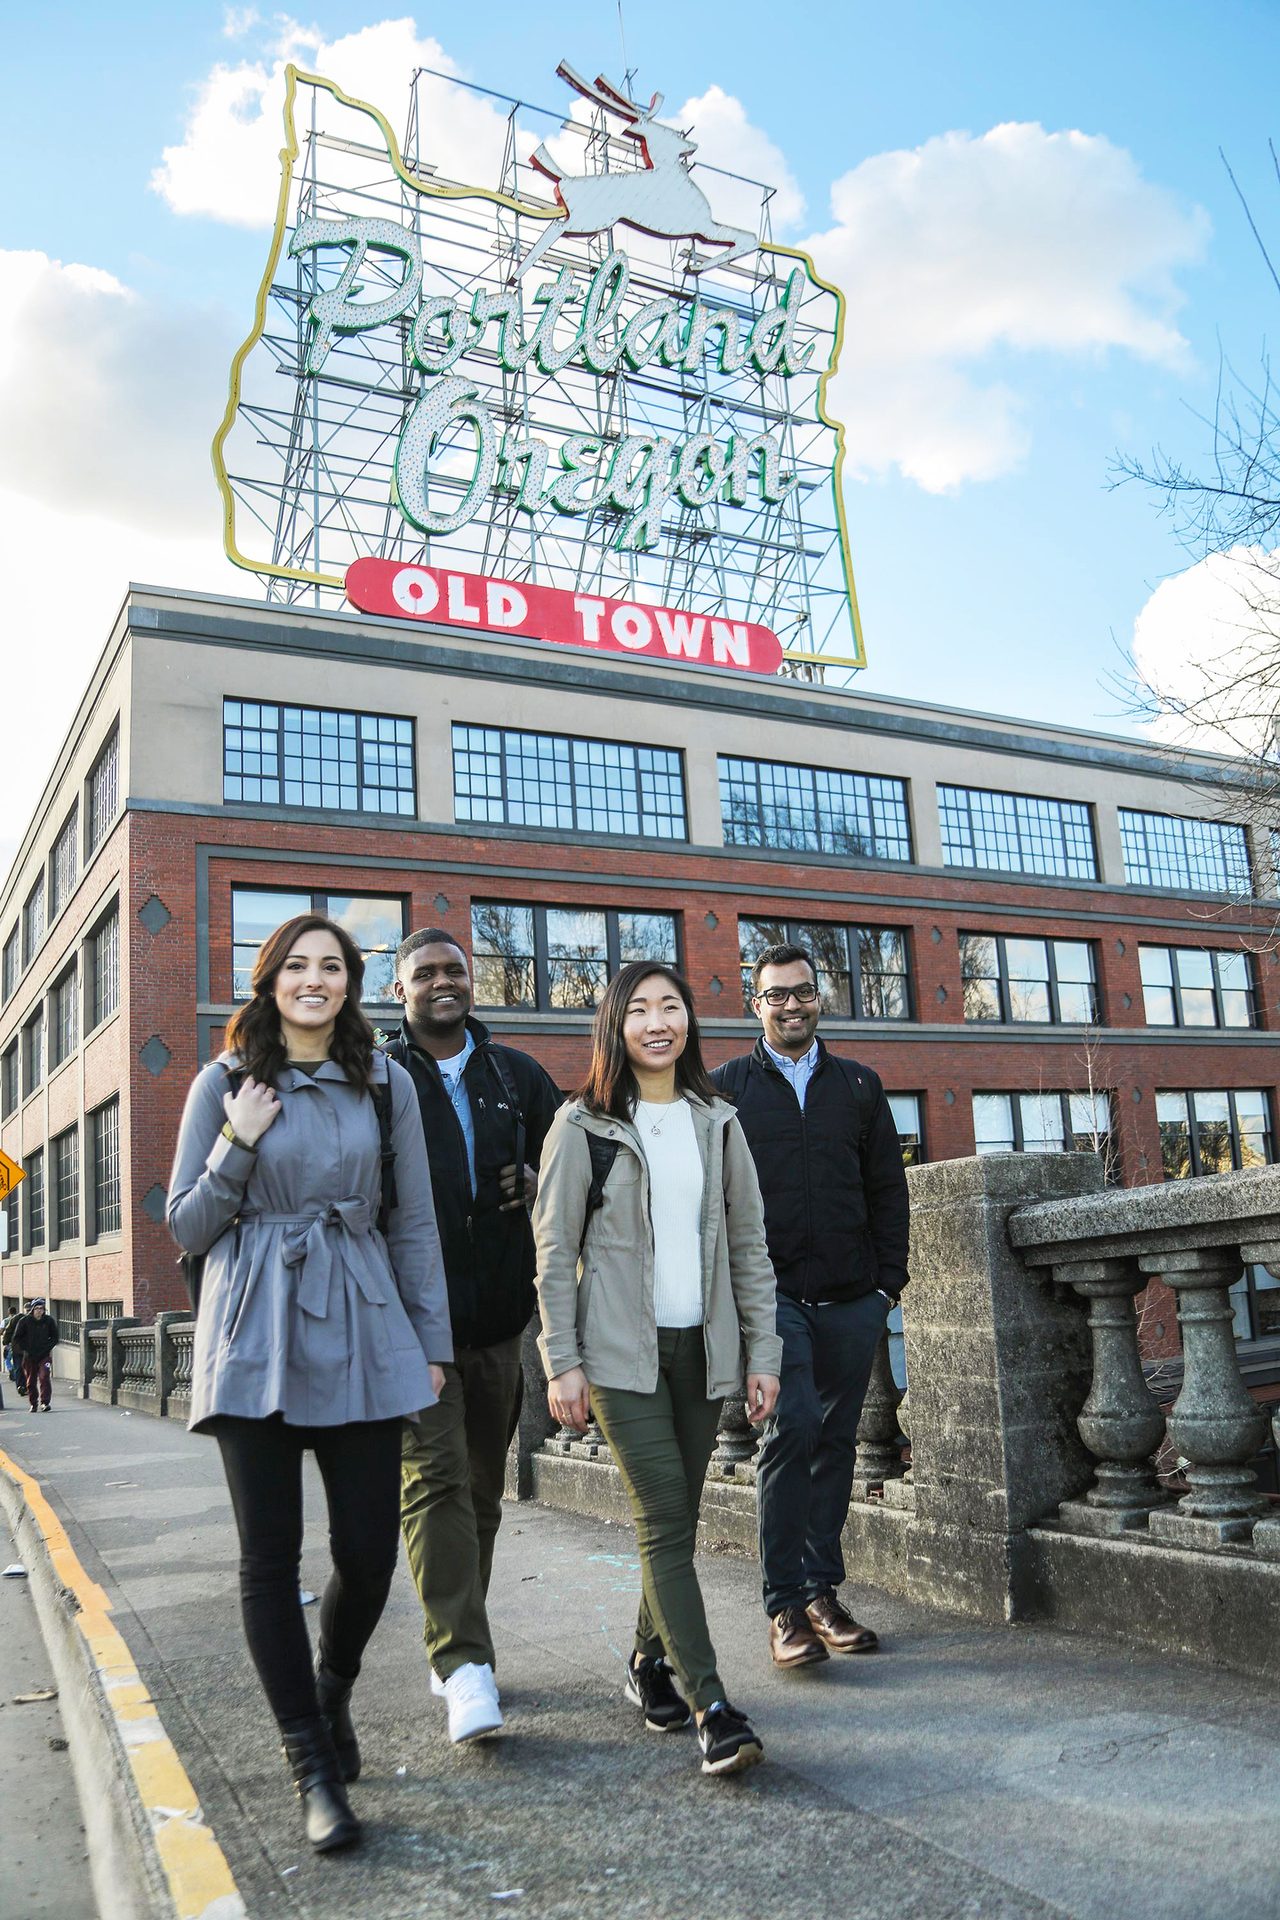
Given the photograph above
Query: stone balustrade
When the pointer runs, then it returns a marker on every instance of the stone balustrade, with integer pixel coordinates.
(1197, 1236)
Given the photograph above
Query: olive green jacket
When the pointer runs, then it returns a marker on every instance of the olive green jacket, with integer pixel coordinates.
(597, 1307)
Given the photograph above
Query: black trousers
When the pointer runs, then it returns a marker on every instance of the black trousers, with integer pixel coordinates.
(804, 1472)
(360, 1466)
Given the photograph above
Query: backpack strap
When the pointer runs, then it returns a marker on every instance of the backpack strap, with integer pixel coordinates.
(731, 1079)
(860, 1091)
(504, 1074)
(603, 1154)
(381, 1092)
(191, 1265)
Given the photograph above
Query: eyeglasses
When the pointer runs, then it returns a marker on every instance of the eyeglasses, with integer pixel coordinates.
(779, 996)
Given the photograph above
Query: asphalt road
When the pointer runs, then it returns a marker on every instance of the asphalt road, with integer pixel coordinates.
(44, 1871)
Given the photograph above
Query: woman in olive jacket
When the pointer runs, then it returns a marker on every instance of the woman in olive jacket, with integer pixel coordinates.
(320, 1325)
(653, 1277)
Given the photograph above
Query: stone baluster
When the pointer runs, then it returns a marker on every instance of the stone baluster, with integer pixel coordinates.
(736, 1439)
(879, 1455)
(1121, 1422)
(1214, 1424)
(593, 1440)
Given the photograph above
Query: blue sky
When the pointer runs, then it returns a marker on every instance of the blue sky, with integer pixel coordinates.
(1011, 575)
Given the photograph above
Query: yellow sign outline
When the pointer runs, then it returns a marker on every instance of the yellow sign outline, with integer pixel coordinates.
(288, 157)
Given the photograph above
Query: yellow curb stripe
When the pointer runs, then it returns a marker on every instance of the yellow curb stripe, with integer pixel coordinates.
(201, 1884)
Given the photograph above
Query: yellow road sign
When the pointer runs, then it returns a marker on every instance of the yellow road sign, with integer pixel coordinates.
(10, 1174)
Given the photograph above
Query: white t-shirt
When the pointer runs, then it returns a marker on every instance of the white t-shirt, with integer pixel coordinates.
(675, 1205)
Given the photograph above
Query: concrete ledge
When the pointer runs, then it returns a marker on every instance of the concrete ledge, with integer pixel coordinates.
(151, 1856)
(139, 1401)
(1222, 1607)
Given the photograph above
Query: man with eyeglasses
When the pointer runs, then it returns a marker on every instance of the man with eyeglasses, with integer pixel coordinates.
(835, 1205)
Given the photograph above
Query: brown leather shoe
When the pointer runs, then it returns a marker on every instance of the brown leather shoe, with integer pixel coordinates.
(837, 1628)
(793, 1642)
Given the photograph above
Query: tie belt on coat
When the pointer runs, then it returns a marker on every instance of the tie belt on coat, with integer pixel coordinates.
(313, 1240)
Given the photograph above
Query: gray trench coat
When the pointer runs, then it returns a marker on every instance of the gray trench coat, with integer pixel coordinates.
(305, 1309)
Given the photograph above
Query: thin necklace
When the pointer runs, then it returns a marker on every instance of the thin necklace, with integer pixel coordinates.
(656, 1126)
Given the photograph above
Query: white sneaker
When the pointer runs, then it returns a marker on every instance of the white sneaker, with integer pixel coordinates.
(437, 1686)
(472, 1698)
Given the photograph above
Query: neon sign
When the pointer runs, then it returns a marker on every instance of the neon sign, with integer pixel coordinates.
(611, 393)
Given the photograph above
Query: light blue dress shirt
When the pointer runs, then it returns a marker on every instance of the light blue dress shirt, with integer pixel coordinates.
(798, 1072)
(455, 1087)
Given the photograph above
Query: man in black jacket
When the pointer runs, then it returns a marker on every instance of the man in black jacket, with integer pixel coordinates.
(485, 1112)
(34, 1339)
(835, 1208)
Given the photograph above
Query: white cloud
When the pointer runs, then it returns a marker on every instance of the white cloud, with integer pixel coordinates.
(237, 21)
(1207, 643)
(109, 404)
(109, 401)
(726, 138)
(1018, 240)
(226, 166)
(65, 576)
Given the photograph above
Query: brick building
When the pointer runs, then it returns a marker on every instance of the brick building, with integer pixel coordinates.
(1039, 937)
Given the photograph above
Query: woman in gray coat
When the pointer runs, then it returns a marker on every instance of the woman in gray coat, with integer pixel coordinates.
(321, 1325)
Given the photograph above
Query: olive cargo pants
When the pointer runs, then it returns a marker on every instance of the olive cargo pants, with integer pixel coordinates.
(452, 1469)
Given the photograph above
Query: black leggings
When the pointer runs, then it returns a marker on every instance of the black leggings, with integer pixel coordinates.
(360, 1466)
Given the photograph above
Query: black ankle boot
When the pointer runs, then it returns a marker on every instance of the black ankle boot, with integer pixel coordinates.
(334, 1695)
(326, 1811)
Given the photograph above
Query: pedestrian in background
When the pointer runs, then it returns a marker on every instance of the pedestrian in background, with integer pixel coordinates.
(653, 1277)
(12, 1365)
(34, 1339)
(485, 1113)
(836, 1213)
(322, 1323)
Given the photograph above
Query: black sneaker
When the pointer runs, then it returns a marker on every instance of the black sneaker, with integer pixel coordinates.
(650, 1687)
(727, 1740)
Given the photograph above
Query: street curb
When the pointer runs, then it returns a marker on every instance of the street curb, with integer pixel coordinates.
(151, 1855)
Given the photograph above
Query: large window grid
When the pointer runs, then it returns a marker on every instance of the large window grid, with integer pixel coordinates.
(376, 922)
(10, 966)
(65, 1156)
(553, 780)
(63, 865)
(559, 957)
(33, 1201)
(62, 1019)
(33, 922)
(767, 803)
(104, 793)
(1013, 979)
(1218, 1131)
(1168, 850)
(10, 1081)
(33, 1053)
(1197, 987)
(863, 972)
(104, 1151)
(317, 757)
(104, 970)
(1057, 1122)
(1016, 833)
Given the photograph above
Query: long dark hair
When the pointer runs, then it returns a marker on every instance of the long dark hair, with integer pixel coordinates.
(254, 1030)
(610, 1086)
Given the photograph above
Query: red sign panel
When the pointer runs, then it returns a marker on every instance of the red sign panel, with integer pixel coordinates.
(528, 612)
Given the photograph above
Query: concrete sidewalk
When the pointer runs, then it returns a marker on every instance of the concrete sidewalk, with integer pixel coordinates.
(962, 1772)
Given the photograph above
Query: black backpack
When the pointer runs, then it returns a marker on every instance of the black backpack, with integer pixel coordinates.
(191, 1265)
